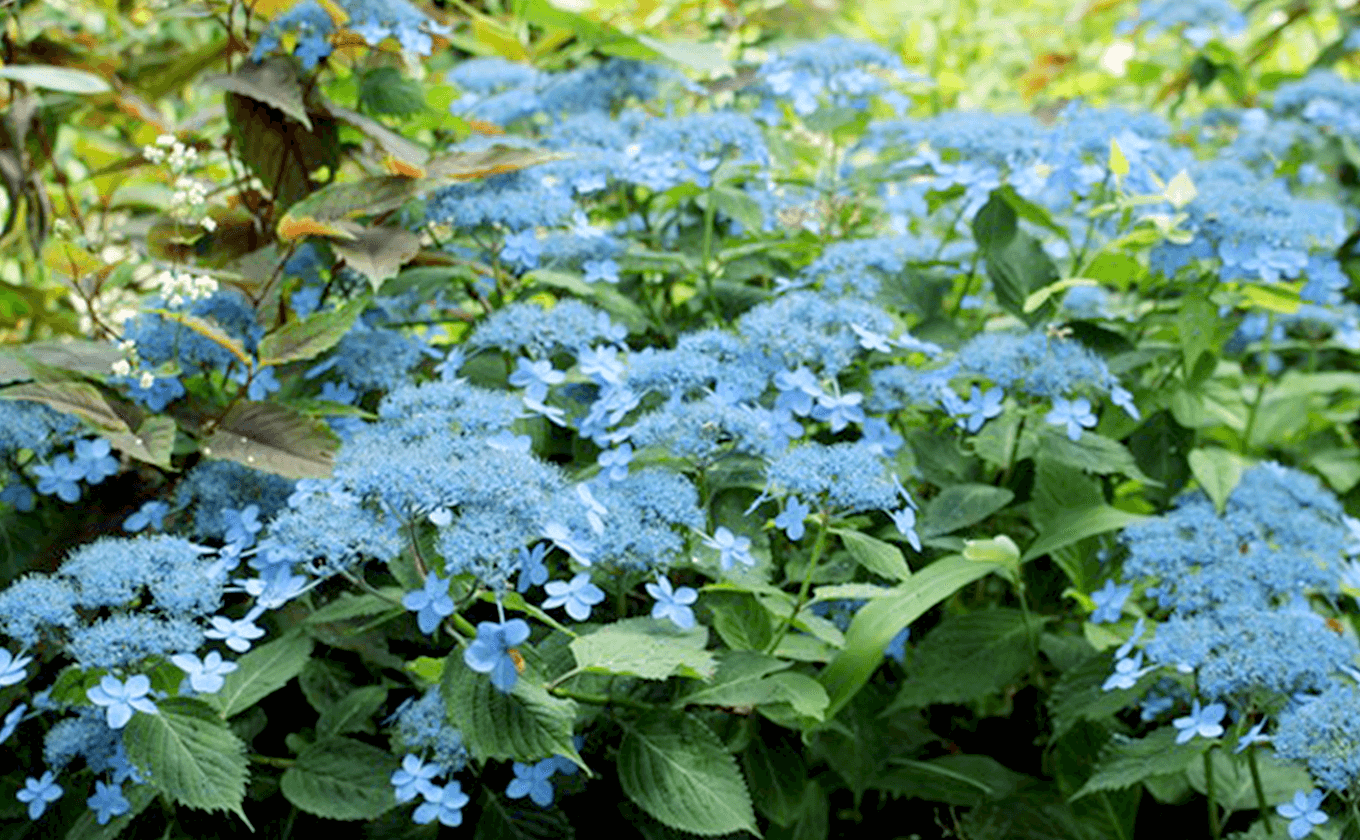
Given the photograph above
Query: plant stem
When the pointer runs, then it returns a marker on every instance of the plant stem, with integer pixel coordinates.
(1260, 791)
(599, 699)
(1260, 388)
(1215, 831)
(818, 546)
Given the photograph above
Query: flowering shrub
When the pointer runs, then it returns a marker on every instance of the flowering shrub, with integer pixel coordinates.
(473, 442)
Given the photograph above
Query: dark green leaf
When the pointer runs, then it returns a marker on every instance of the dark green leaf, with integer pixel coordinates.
(778, 776)
(967, 657)
(353, 712)
(272, 438)
(308, 337)
(273, 81)
(528, 724)
(506, 819)
(341, 779)
(1127, 761)
(883, 559)
(647, 648)
(189, 755)
(961, 505)
(261, 672)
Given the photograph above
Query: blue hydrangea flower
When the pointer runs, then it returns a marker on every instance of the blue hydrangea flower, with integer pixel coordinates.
(578, 595)
(12, 668)
(980, 408)
(532, 570)
(532, 780)
(444, 804)
(121, 698)
(414, 779)
(1252, 736)
(431, 603)
(1109, 602)
(792, 518)
(108, 802)
(1074, 414)
(731, 548)
(151, 514)
(536, 377)
(60, 478)
(490, 654)
(236, 634)
(1207, 722)
(206, 675)
(672, 603)
(38, 793)
(1303, 812)
(93, 459)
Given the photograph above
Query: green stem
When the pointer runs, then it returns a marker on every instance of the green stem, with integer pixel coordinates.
(272, 761)
(1260, 388)
(818, 546)
(600, 699)
(1260, 791)
(710, 211)
(1215, 831)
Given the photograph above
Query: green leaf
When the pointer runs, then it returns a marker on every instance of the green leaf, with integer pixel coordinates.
(282, 152)
(1078, 525)
(378, 253)
(273, 81)
(329, 210)
(307, 338)
(994, 225)
(779, 775)
(153, 442)
(189, 754)
(883, 559)
(528, 724)
(1091, 452)
(357, 605)
(706, 59)
(1039, 298)
(341, 779)
(272, 438)
(967, 657)
(500, 818)
(93, 358)
(740, 619)
(386, 92)
(1127, 761)
(677, 770)
(79, 398)
(647, 648)
(1078, 695)
(52, 77)
(1217, 470)
(261, 672)
(961, 505)
(1233, 788)
(352, 713)
(747, 678)
(878, 621)
(1028, 210)
(961, 780)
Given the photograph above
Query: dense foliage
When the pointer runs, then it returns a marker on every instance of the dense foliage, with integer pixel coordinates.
(508, 420)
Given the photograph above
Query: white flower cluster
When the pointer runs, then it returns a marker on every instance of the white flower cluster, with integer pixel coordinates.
(123, 367)
(190, 194)
(180, 288)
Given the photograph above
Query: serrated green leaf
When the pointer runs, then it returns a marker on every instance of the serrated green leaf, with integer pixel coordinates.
(527, 725)
(747, 678)
(153, 442)
(677, 770)
(967, 657)
(357, 605)
(308, 337)
(1078, 695)
(189, 755)
(879, 557)
(779, 776)
(503, 819)
(341, 779)
(273, 438)
(1127, 761)
(352, 713)
(261, 672)
(740, 619)
(1092, 452)
(878, 621)
(645, 647)
(961, 505)
(273, 81)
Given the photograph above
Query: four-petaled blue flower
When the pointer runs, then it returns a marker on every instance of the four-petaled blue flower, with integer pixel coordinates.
(578, 595)
(980, 408)
(672, 603)
(121, 698)
(38, 792)
(205, 675)
(1303, 812)
(444, 804)
(236, 634)
(1252, 736)
(414, 778)
(432, 603)
(94, 461)
(12, 668)
(536, 377)
(839, 411)
(150, 514)
(490, 653)
(1109, 602)
(601, 271)
(61, 478)
(532, 570)
(108, 802)
(614, 462)
(1074, 414)
(791, 520)
(1205, 722)
(731, 548)
(532, 780)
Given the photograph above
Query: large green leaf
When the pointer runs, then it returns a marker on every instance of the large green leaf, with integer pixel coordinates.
(273, 438)
(961, 505)
(189, 754)
(341, 779)
(153, 442)
(528, 724)
(378, 252)
(778, 775)
(79, 398)
(1078, 525)
(308, 337)
(1217, 470)
(677, 770)
(1091, 452)
(740, 619)
(967, 657)
(261, 672)
(645, 647)
(878, 621)
(273, 81)
(353, 712)
(963, 780)
(503, 819)
(1078, 694)
(52, 77)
